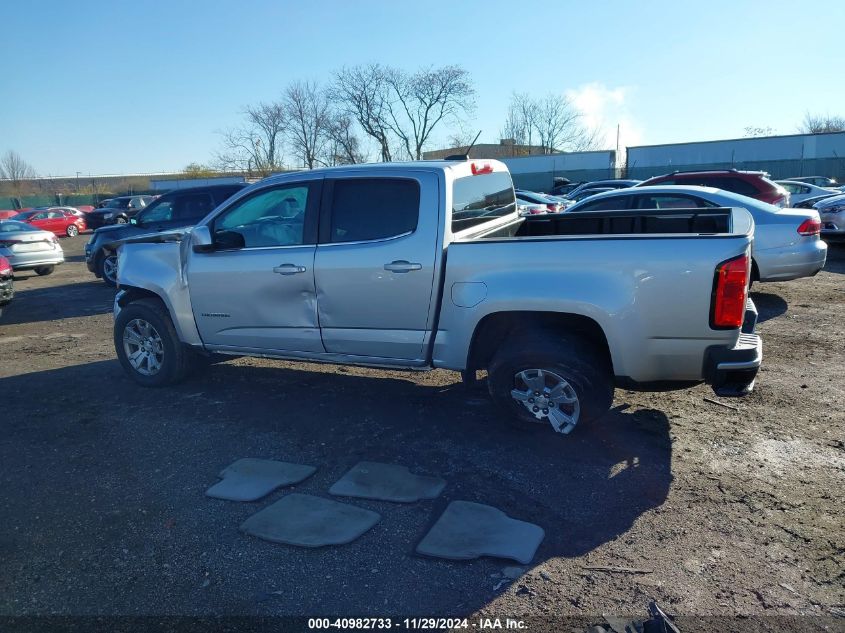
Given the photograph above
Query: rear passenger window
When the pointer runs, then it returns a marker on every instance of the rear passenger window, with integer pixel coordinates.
(366, 209)
(669, 202)
(616, 203)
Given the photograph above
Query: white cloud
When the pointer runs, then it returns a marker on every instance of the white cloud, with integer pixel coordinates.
(605, 108)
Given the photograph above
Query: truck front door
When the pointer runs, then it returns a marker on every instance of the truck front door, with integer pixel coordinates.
(254, 289)
(375, 264)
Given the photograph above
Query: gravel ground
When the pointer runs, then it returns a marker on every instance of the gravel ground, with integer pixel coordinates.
(730, 511)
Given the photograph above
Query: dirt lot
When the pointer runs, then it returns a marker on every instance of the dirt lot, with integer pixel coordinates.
(103, 507)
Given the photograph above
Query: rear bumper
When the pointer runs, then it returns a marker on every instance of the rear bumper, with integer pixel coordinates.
(29, 261)
(803, 259)
(732, 371)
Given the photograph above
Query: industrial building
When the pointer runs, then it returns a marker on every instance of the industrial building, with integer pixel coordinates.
(781, 156)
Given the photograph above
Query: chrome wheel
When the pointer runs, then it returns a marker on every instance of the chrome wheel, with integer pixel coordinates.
(548, 397)
(110, 268)
(120, 220)
(143, 347)
(72, 230)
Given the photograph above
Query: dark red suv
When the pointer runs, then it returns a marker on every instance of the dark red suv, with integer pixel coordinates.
(753, 184)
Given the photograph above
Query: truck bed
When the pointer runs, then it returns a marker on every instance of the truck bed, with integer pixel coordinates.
(645, 277)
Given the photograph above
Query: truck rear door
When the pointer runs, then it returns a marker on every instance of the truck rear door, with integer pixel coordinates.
(375, 264)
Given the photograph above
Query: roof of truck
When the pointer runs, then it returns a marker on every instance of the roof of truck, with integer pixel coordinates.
(428, 165)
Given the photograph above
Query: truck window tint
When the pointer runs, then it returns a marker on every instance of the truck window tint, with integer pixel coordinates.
(479, 199)
(274, 217)
(373, 208)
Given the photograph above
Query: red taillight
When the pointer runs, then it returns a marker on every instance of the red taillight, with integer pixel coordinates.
(552, 208)
(481, 168)
(810, 226)
(730, 292)
(5, 267)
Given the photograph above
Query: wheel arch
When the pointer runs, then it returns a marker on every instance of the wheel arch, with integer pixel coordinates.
(496, 327)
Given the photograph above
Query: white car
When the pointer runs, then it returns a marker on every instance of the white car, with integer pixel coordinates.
(786, 241)
(799, 191)
(832, 213)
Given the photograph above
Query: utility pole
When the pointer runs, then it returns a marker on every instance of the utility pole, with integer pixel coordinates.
(77, 181)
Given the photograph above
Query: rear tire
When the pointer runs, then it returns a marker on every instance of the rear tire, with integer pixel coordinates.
(44, 270)
(554, 363)
(133, 341)
(120, 220)
(107, 268)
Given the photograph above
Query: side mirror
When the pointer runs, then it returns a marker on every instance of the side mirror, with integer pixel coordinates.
(201, 239)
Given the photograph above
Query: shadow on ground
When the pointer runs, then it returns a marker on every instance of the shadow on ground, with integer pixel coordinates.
(105, 485)
(49, 303)
(835, 257)
(768, 305)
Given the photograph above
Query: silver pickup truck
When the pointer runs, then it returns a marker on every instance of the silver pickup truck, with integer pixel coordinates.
(426, 265)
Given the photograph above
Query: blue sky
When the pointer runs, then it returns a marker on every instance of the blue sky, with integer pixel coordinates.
(119, 87)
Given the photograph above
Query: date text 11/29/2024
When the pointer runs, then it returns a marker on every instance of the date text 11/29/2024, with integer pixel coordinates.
(430, 624)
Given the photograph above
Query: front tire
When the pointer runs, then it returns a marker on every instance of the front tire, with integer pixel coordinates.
(72, 230)
(147, 345)
(120, 220)
(551, 379)
(107, 268)
(44, 270)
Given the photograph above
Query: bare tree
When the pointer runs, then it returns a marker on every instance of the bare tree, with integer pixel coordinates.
(418, 103)
(522, 115)
(256, 146)
(818, 124)
(344, 147)
(198, 170)
(558, 123)
(362, 93)
(753, 131)
(398, 110)
(553, 121)
(308, 118)
(16, 172)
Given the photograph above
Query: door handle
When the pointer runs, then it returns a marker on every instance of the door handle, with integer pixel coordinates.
(289, 269)
(402, 266)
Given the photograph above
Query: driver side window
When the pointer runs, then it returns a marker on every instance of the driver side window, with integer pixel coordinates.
(272, 217)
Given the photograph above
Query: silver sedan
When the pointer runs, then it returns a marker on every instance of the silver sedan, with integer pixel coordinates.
(786, 241)
(29, 248)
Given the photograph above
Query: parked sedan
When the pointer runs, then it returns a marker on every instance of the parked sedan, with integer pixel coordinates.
(531, 208)
(613, 183)
(553, 205)
(29, 248)
(832, 214)
(786, 241)
(7, 283)
(57, 220)
(819, 181)
(800, 191)
(810, 203)
(590, 191)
